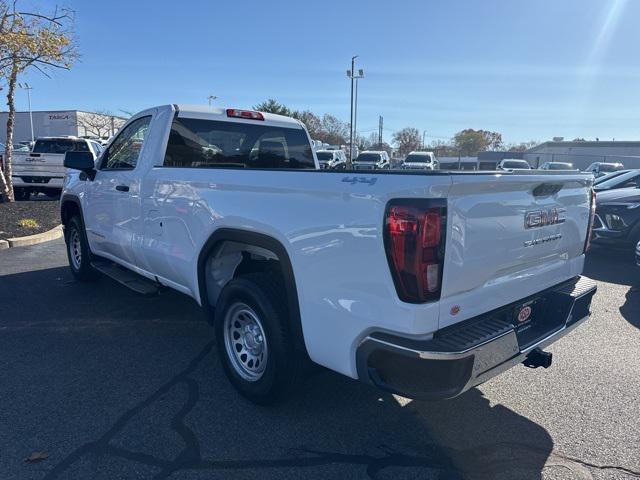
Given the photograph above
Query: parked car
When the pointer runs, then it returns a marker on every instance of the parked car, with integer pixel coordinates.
(608, 176)
(617, 221)
(630, 179)
(372, 160)
(556, 166)
(513, 164)
(332, 159)
(601, 168)
(420, 161)
(42, 169)
(422, 284)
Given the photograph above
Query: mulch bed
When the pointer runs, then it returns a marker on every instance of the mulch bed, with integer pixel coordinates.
(45, 214)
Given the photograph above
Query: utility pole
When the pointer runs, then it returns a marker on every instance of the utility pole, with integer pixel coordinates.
(211, 98)
(424, 133)
(380, 123)
(28, 88)
(353, 76)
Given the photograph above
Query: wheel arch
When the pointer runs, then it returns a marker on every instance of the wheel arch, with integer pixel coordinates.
(266, 242)
(69, 206)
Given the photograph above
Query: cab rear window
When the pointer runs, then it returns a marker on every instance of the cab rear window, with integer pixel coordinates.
(197, 143)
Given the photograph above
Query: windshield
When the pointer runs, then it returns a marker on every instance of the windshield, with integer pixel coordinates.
(515, 164)
(620, 179)
(417, 159)
(609, 167)
(560, 166)
(324, 156)
(609, 176)
(60, 145)
(368, 157)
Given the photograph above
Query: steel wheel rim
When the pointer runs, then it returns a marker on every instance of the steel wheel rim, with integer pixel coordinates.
(75, 249)
(245, 342)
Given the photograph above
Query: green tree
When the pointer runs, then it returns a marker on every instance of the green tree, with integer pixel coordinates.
(30, 40)
(273, 106)
(407, 140)
(469, 142)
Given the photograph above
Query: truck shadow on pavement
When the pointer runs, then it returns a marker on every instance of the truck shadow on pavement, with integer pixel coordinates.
(126, 413)
(618, 267)
(611, 266)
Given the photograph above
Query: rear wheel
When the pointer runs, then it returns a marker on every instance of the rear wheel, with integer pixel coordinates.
(253, 338)
(78, 251)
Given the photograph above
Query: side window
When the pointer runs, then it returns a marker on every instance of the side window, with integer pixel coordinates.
(81, 146)
(197, 143)
(124, 151)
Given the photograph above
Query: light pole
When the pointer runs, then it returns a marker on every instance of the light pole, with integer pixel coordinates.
(28, 88)
(211, 98)
(355, 113)
(353, 76)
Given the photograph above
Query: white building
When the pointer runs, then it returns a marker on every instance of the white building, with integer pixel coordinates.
(60, 122)
(582, 154)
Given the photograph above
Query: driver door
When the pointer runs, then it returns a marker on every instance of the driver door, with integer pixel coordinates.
(112, 198)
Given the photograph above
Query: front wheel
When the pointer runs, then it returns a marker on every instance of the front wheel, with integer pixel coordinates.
(78, 251)
(253, 338)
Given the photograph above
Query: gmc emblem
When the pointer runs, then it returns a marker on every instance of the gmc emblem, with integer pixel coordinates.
(544, 217)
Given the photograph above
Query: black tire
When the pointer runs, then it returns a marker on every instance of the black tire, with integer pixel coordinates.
(78, 251)
(20, 194)
(265, 296)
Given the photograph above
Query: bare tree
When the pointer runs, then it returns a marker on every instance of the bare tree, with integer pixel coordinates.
(101, 123)
(408, 139)
(30, 40)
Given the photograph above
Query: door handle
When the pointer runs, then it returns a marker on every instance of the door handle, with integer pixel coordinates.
(122, 188)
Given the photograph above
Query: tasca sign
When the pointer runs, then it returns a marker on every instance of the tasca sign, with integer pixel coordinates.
(59, 116)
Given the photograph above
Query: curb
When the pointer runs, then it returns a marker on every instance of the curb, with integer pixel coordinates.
(4, 244)
(52, 234)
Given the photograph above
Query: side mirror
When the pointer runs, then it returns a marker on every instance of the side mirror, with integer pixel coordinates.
(83, 161)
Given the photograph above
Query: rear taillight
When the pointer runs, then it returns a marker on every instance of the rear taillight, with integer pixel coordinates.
(592, 216)
(414, 239)
(248, 114)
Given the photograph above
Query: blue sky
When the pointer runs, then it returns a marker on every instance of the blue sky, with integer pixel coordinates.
(528, 69)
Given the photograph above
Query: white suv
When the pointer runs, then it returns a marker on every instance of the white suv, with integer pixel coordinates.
(331, 159)
(372, 160)
(420, 161)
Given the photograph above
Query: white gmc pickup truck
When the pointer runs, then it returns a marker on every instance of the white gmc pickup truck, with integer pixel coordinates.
(42, 169)
(420, 283)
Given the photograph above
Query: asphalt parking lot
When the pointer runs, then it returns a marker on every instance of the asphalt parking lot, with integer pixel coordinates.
(116, 386)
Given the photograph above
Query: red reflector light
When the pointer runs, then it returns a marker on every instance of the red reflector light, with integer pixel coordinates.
(248, 114)
(414, 243)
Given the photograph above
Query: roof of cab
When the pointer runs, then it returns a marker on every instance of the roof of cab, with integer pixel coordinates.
(219, 113)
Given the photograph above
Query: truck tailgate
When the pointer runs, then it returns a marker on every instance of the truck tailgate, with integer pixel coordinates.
(38, 164)
(509, 237)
